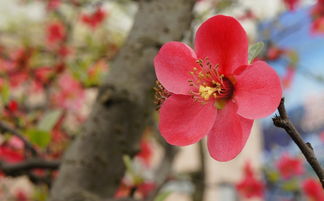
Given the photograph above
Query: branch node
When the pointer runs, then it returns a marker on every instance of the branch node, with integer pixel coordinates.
(309, 145)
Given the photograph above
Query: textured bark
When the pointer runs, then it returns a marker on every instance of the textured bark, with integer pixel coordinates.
(93, 167)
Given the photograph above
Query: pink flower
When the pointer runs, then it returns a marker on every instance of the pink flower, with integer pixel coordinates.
(318, 10)
(10, 155)
(122, 191)
(248, 170)
(18, 78)
(13, 106)
(53, 4)
(70, 94)
(16, 143)
(55, 32)
(43, 74)
(288, 77)
(6, 66)
(214, 91)
(313, 190)
(145, 189)
(145, 153)
(12, 109)
(250, 186)
(248, 15)
(289, 166)
(64, 51)
(274, 52)
(317, 26)
(21, 196)
(322, 136)
(142, 190)
(317, 14)
(21, 58)
(291, 4)
(94, 19)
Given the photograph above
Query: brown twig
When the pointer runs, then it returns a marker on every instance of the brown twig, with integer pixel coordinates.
(24, 167)
(283, 121)
(4, 127)
(36, 179)
(199, 176)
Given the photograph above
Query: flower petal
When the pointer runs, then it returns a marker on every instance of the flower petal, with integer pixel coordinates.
(183, 121)
(172, 66)
(229, 134)
(223, 40)
(258, 91)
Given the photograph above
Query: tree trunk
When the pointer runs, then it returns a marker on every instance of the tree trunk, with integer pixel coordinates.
(92, 167)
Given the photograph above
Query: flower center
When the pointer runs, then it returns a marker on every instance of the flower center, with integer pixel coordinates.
(208, 84)
(205, 91)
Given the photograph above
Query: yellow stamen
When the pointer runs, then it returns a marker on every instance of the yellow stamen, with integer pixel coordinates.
(206, 91)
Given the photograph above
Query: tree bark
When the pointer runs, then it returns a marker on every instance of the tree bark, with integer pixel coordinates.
(92, 167)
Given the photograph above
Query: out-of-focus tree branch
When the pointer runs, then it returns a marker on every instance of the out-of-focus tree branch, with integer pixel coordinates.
(306, 148)
(92, 168)
(199, 176)
(6, 128)
(26, 168)
(17, 169)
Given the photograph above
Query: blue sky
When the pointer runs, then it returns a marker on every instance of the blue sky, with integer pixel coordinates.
(293, 31)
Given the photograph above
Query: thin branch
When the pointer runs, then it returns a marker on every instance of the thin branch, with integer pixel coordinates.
(47, 179)
(4, 127)
(164, 170)
(283, 121)
(18, 169)
(199, 177)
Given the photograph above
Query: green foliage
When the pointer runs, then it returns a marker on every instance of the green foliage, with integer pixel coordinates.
(130, 170)
(80, 67)
(162, 196)
(273, 176)
(49, 120)
(40, 193)
(254, 50)
(41, 135)
(293, 57)
(38, 137)
(291, 185)
(4, 93)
